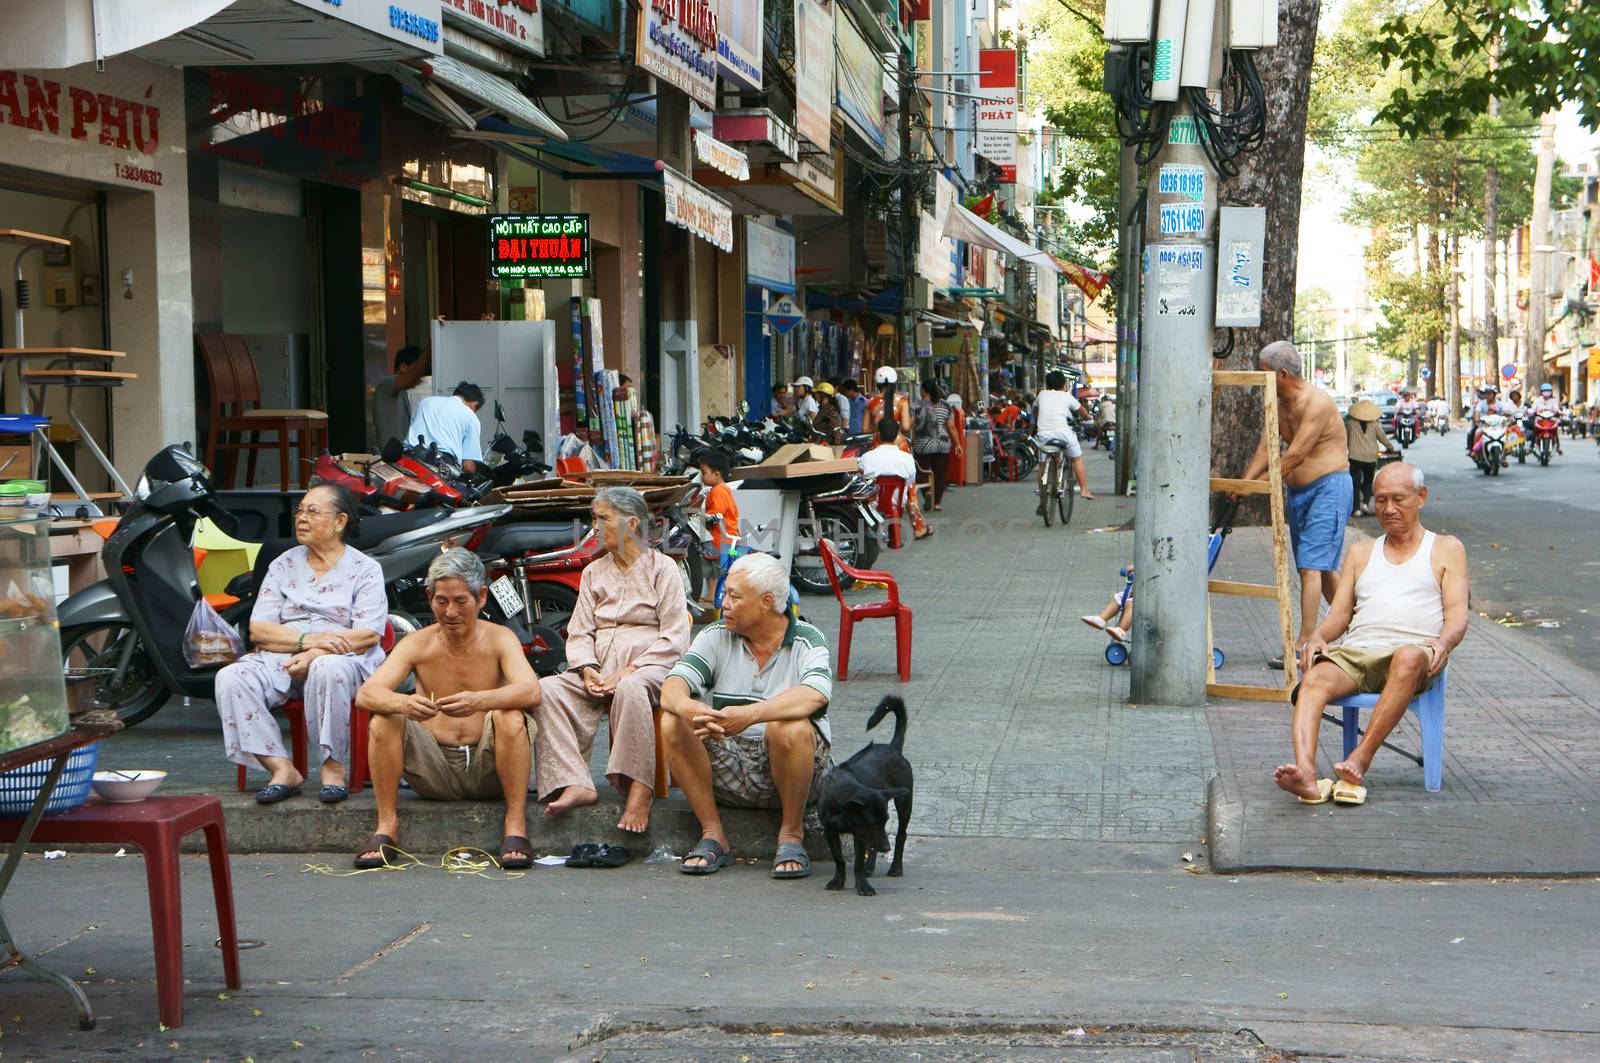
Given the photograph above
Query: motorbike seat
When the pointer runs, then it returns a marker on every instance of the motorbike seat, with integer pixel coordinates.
(509, 540)
(375, 530)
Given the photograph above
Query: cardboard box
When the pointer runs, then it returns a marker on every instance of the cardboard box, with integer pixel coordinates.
(795, 460)
(21, 459)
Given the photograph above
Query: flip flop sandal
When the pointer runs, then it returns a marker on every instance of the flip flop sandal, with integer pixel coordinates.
(332, 795)
(611, 856)
(711, 851)
(272, 793)
(513, 843)
(1348, 793)
(383, 845)
(583, 855)
(791, 853)
(1324, 790)
(1094, 622)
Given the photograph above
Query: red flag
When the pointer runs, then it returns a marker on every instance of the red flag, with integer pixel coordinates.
(1594, 274)
(1091, 281)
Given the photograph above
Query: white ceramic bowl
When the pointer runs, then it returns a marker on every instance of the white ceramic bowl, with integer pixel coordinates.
(126, 787)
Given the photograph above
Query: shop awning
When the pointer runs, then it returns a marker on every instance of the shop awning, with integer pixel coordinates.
(489, 90)
(65, 33)
(961, 224)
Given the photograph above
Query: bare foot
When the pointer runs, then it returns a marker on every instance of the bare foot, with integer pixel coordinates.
(1086, 496)
(1352, 770)
(572, 797)
(1292, 778)
(636, 811)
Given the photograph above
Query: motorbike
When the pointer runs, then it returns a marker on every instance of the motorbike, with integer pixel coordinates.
(1108, 436)
(1489, 449)
(848, 517)
(1545, 431)
(1405, 428)
(132, 623)
(1442, 423)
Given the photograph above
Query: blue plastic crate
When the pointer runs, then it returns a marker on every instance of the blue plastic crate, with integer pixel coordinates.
(20, 787)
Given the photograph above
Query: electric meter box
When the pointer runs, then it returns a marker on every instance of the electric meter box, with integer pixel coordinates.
(1241, 241)
(1252, 24)
(1129, 21)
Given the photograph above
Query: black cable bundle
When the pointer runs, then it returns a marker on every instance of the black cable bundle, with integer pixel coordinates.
(1240, 124)
(1141, 121)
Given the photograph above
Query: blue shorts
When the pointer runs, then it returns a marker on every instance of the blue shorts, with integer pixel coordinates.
(1317, 516)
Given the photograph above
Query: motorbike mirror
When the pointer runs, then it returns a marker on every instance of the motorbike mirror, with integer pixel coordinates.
(503, 445)
(499, 414)
(393, 450)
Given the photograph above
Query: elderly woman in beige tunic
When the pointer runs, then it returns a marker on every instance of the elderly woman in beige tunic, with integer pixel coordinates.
(630, 626)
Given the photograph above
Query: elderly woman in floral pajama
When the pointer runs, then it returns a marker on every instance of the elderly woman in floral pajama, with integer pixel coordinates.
(318, 618)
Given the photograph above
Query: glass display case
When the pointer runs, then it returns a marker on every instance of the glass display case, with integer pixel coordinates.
(33, 697)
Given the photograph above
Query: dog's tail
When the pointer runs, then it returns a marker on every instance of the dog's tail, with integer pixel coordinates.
(887, 705)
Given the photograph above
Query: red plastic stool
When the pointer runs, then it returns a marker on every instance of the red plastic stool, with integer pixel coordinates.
(156, 825)
(891, 503)
(891, 607)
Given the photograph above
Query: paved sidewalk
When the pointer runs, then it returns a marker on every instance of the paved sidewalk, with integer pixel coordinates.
(1521, 771)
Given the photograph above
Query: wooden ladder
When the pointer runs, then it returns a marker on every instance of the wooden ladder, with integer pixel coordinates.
(1272, 487)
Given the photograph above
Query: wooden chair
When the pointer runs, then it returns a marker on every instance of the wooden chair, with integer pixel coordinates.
(236, 409)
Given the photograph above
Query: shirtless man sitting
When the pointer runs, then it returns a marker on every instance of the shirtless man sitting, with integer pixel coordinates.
(1316, 476)
(467, 733)
(1402, 608)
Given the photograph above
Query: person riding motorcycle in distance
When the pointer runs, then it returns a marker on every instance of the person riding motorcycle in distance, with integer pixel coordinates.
(1488, 402)
(1547, 405)
(1409, 403)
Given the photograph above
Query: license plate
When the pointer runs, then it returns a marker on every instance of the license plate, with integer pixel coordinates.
(507, 596)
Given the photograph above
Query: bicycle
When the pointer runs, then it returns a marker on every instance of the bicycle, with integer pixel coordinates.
(1055, 486)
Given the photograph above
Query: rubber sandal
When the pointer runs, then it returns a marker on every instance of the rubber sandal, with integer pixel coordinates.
(791, 852)
(611, 856)
(1324, 790)
(515, 843)
(383, 845)
(583, 855)
(272, 793)
(711, 851)
(1349, 793)
(1094, 622)
(332, 795)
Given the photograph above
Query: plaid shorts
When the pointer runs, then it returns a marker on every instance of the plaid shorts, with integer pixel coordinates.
(741, 771)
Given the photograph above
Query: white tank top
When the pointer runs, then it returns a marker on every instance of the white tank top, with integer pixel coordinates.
(1397, 605)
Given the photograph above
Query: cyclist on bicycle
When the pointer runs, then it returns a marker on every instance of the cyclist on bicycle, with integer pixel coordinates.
(1053, 415)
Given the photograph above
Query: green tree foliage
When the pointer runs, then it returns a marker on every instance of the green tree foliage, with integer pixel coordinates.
(1548, 57)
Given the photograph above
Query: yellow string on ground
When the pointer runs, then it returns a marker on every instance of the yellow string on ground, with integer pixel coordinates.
(456, 861)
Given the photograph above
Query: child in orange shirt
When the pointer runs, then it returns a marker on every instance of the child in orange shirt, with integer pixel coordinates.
(714, 468)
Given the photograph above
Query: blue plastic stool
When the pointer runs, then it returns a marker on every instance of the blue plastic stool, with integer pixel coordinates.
(1429, 707)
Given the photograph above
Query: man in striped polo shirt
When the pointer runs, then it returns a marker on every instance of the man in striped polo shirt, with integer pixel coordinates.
(745, 716)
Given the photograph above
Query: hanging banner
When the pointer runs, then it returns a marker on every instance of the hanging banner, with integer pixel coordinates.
(814, 71)
(739, 42)
(678, 44)
(769, 256)
(691, 207)
(860, 80)
(936, 252)
(514, 24)
(997, 111)
(709, 151)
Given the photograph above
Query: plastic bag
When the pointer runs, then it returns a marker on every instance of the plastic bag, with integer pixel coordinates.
(210, 640)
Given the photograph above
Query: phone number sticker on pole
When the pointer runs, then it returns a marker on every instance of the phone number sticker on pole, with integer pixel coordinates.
(1180, 218)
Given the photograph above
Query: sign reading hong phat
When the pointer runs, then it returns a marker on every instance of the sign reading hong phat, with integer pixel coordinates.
(678, 44)
(538, 245)
(691, 207)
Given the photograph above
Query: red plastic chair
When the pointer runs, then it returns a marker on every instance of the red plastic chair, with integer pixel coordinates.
(295, 709)
(156, 826)
(892, 504)
(849, 614)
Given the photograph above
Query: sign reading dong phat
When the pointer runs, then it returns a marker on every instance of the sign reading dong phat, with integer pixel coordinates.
(538, 245)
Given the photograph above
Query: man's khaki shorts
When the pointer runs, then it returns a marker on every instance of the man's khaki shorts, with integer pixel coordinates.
(456, 773)
(1370, 668)
(741, 771)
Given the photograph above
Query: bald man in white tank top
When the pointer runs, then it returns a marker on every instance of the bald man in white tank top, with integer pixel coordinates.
(1401, 607)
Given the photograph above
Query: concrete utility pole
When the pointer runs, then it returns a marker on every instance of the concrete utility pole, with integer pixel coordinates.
(1128, 303)
(679, 343)
(1539, 238)
(1174, 426)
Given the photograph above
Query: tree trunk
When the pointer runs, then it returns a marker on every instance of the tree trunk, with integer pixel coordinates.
(1491, 243)
(1270, 177)
(1435, 265)
(1452, 346)
(1539, 238)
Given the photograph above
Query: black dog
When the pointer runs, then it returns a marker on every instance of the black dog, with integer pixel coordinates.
(855, 801)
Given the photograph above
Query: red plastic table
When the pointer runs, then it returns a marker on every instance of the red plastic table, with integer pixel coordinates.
(59, 748)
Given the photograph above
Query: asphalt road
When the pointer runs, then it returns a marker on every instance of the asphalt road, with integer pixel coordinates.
(1529, 534)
